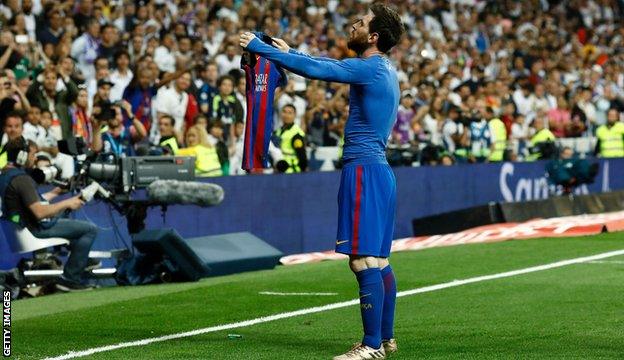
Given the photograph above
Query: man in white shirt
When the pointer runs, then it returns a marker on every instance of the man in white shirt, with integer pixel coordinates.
(290, 97)
(228, 61)
(164, 54)
(30, 19)
(585, 104)
(227, 10)
(236, 149)
(452, 130)
(213, 40)
(172, 101)
(522, 99)
(32, 129)
(122, 76)
(85, 49)
(539, 99)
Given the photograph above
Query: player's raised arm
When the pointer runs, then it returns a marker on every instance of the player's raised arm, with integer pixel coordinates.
(283, 46)
(347, 71)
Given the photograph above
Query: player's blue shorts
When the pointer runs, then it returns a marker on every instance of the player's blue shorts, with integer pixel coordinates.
(366, 210)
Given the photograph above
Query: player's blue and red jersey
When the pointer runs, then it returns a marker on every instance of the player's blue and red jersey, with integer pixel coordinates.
(373, 98)
(367, 195)
(263, 77)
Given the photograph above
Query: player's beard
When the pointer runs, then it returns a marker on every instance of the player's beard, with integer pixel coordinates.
(359, 44)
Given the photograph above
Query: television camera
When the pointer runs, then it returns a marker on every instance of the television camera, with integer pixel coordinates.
(132, 184)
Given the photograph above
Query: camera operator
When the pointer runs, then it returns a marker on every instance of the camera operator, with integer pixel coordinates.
(116, 139)
(23, 205)
(570, 171)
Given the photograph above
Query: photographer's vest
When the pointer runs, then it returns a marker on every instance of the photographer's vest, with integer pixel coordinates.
(3, 157)
(288, 148)
(497, 127)
(543, 135)
(172, 143)
(206, 160)
(611, 140)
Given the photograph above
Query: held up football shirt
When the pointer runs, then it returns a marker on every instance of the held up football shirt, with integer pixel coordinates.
(262, 78)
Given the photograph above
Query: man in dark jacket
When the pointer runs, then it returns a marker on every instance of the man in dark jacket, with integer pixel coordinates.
(45, 96)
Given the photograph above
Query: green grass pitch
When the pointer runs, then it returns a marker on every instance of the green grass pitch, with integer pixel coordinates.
(576, 311)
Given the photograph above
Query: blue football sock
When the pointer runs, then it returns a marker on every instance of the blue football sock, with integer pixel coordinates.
(371, 304)
(390, 290)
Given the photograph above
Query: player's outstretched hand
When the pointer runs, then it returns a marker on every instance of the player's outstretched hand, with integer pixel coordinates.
(281, 44)
(245, 39)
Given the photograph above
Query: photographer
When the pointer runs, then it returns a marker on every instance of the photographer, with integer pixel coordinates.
(23, 205)
(117, 139)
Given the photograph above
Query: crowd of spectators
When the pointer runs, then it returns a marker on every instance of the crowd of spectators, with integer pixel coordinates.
(162, 76)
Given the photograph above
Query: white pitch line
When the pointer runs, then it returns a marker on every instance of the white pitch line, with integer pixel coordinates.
(317, 309)
(606, 262)
(297, 294)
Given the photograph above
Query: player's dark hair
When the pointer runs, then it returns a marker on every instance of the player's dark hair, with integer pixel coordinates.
(387, 24)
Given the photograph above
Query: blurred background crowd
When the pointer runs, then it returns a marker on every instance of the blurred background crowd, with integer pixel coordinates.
(481, 81)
